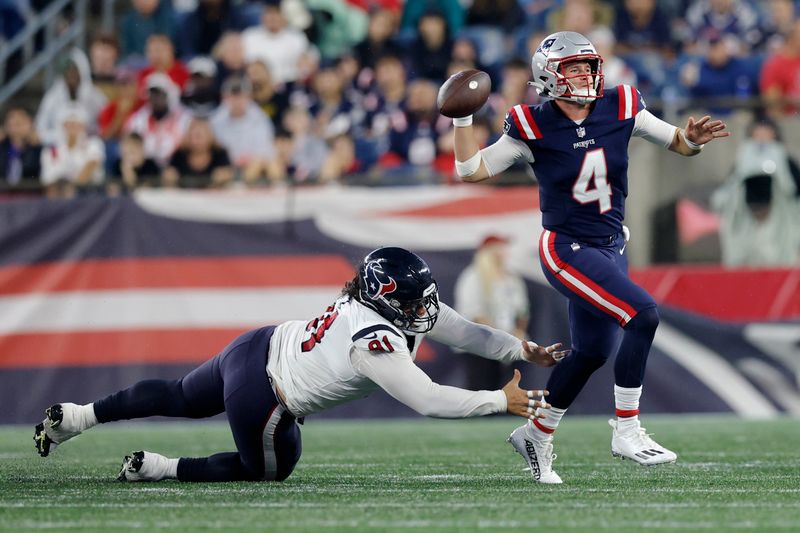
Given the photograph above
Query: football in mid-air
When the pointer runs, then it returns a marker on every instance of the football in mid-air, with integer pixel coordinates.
(464, 93)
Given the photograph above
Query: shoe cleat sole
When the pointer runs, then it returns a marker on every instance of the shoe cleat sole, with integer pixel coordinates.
(41, 440)
(44, 444)
(623, 458)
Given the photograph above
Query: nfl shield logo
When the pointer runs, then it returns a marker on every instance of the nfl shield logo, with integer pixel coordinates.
(581, 132)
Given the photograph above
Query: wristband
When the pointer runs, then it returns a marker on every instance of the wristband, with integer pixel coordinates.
(692, 146)
(462, 122)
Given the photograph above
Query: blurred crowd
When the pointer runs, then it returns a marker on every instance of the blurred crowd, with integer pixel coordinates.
(214, 93)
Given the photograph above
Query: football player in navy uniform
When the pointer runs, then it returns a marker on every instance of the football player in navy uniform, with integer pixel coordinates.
(577, 144)
(269, 378)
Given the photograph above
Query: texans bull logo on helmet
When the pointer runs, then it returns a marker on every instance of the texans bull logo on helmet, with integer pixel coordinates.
(377, 281)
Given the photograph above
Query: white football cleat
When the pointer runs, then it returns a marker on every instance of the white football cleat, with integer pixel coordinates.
(61, 423)
(538, 453)
(635, 444)
(144, 466)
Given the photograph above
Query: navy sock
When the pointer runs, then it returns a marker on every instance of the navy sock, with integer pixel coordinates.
(631, 359)
(151, 397)
(225, 466)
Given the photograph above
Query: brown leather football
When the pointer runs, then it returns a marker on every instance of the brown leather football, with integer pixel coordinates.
(464, 93)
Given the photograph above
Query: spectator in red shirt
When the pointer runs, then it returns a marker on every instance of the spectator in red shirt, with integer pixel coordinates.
(162, 121)
(780, 77)
(161, 58)
(125, 102)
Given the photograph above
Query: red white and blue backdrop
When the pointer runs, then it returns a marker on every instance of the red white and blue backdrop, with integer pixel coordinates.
(97, 293)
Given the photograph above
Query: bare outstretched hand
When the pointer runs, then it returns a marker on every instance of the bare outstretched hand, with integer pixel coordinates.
(705, 130)
(543, 355)
(521, 402)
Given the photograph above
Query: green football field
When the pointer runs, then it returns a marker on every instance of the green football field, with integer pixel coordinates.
(417, 474)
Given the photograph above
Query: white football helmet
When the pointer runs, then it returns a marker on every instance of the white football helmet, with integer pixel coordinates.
(558, 50)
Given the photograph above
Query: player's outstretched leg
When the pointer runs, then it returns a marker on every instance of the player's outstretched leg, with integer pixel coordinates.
(62, 422)
(534, 440)
(201, 398)
(152, 397)
(593, 341)
(629, 440)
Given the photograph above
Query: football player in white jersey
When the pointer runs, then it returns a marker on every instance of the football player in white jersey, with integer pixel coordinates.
(270, 378)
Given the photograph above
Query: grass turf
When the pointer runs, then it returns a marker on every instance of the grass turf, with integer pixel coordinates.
(417, 474)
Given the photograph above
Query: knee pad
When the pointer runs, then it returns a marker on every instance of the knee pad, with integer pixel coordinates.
(646, 319)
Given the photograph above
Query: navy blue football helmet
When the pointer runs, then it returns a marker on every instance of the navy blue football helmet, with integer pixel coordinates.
(398, 285)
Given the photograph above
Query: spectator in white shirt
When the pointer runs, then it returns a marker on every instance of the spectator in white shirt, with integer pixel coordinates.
(286, 50)
(240, 118)
(488, 293)
(75, 161)
(74, 88)
(162, 122)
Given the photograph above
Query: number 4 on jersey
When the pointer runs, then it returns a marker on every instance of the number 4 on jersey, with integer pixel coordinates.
(593, 169)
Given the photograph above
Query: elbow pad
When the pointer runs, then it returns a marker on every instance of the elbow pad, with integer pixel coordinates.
(470, 166)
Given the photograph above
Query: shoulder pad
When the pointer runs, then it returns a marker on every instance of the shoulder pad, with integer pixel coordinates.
(520, 124)
(630, 102)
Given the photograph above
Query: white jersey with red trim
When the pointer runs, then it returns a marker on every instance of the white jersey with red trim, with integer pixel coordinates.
(350, 351)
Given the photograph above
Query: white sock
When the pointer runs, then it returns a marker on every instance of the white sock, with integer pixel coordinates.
(172, 469)
(85, 417)
(543, 428)
(626, 400)
(157, 467)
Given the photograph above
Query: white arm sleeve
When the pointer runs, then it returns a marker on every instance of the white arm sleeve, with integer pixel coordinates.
(456, 331)
(650, 127)
(397, 374)
(502, 154)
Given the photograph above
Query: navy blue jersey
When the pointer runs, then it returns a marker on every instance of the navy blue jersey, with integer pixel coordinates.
(582, 169)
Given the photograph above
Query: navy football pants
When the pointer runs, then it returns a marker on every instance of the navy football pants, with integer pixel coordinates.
(602, 302)
(235, 382)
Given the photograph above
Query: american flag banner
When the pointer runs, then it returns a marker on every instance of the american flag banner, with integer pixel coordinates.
(97, 293)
